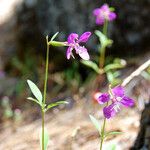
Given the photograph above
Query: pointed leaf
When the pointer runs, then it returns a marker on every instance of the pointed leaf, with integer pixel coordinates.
(113, 66)
(92, 65)
(54, 36)
(35, 91)
(95, 122)
(105, 42)
(112, 133)
(34, 100)
(55, 104)
(46, 139)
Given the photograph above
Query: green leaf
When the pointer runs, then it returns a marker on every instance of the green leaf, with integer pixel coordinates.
(112, 133)
(105, 42)
(95, 122)
(57, 44)
(35, 91)
(110, 76)
(92, 65)
(113, 66)
(55, 104)
(54, 36)
(46, 139)
(34, 100)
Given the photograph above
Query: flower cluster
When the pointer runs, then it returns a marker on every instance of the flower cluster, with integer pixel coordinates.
(103, 13)
(117, 98)
(74, 43)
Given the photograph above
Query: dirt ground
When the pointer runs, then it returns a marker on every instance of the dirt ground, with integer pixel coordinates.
(72, 130)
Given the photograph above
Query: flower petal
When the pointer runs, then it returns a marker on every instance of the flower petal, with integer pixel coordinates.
(72, 37)
(126, 101)
(100, 20)
(105, 8)
(84, 37)
(118, 91)
(112, 16)
(69, 52)
(96, 11)
(103, 98)
(82, 51)
(109, 111)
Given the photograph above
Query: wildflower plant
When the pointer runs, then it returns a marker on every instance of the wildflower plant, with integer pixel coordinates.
(40, 98)
(114, 99)
(104, 15)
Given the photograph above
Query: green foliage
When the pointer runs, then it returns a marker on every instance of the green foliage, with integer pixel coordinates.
(105, 42)
(56, 43)
(72, 76)
(113, 67)
(35, 91)
(55, 104)
(111, 146)
(92, 65)
(46, 139)
(112, 77)
(95, 123)
(34, 100)
(54, 36)
(112, 133)
(7, 108)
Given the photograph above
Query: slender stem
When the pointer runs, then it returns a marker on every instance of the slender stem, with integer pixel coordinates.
(44, 93)
(102, 58)
(103, 132)
(46, 72)
(103, 49)
(105, 28)
(43, 124)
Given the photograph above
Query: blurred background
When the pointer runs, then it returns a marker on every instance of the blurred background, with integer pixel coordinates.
(24, 25)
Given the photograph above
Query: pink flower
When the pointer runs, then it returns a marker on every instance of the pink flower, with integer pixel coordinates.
(117, 98)
(103, 13)
(74, 43)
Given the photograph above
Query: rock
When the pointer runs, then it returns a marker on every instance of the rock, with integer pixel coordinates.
(143, 139)
(38, 18)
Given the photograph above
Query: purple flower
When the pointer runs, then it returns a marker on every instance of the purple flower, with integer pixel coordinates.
(74, 43)
(103, 13)
(117, 98)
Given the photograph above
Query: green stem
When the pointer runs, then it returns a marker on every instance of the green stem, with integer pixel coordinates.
(46, 71)
(102, 58)
(105, 28)
(43, 120)
(103, 49)
(103, 132)
(44, 93)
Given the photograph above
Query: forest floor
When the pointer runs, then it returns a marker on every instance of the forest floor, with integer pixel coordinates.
(71, 128)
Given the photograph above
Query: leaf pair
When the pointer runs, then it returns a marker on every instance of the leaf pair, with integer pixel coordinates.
(38, 95)
(98, 127)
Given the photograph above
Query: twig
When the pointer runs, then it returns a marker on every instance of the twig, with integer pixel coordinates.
(136, 73)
